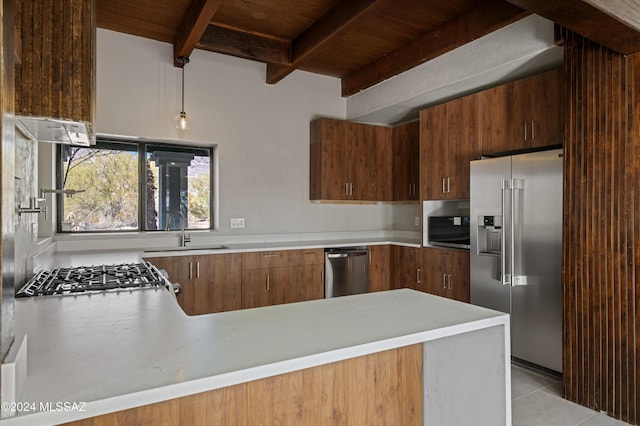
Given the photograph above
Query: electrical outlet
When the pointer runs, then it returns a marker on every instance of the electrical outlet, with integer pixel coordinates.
(237, 222)
(416, 221)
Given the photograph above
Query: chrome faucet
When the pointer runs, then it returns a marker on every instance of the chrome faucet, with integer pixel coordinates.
(68, 192)
(184, 239)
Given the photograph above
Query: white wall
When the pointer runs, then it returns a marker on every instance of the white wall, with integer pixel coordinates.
(262, 131)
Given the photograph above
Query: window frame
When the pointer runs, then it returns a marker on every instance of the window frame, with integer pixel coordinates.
(142, 188)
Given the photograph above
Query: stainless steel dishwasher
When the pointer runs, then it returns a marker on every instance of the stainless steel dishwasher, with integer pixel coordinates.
(346, 271)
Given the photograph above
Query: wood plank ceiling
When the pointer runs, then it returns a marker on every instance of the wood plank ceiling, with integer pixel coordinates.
(363, 42)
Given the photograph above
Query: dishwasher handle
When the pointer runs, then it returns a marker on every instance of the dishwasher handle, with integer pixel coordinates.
(344, 254)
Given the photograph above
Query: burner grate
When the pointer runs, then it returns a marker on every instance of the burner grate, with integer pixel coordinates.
(92, 279)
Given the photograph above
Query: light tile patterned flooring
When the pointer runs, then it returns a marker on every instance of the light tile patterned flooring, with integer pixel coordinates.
(537, 401)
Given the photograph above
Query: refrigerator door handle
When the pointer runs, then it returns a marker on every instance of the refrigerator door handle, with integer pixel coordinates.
(517, 277)
(505, 277)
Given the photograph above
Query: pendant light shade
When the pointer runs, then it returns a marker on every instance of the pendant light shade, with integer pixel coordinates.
(182, 120)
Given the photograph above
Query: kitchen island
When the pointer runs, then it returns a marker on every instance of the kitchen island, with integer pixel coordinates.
(402, 353)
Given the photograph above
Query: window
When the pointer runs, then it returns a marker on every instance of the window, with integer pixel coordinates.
(120, 185)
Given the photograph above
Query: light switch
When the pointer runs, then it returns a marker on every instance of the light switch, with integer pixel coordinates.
(416, 221)
(237, 222)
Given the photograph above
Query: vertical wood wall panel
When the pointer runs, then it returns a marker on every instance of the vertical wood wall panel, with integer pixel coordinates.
(601, 252)
(56, 75)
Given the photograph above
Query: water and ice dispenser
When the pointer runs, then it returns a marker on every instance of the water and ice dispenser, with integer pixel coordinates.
(489, 235)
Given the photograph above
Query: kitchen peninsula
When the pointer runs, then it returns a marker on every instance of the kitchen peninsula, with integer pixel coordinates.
(407, 356)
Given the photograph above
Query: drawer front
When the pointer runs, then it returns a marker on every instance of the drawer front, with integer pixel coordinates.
(268, 259)
(310, 257)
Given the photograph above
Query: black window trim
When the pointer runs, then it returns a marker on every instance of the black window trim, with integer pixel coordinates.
(142, 152)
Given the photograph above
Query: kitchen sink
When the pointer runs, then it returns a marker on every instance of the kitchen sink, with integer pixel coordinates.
(188, 248)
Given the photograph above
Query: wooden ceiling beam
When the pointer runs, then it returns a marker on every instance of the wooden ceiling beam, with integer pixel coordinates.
(614, 24)
(193, 26)
(245, 45)
(487, 17)
(326, 29)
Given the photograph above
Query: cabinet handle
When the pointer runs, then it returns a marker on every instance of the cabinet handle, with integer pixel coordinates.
(443, 186)
(410, 190)
(190, 270)
(418, 271)
(346, 188)
(448, 184)
(449, 281)
(198, 269)
(525, 130)
(444, 281)
(271, 255)
(533, 130)
(268, 281)
(351, 189)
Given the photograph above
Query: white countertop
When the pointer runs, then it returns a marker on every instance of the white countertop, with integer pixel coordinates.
(113, 256)
(119, 350)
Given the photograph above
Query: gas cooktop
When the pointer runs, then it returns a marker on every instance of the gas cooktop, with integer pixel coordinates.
(84, 279)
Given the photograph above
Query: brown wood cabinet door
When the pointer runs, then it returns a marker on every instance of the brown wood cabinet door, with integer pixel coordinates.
(379, 163)
(255, 288)
(446, 273)
(406, 269)
(523, 114)
(495, 116)
(463, 144)
(434, 280)
(282, 283)
(547, 118)
(406, 162)
(178, 269)
(379, 268)
(458, 268)
(433, 145)
(331, 168)
(268, 286)
(217, 283)
(359, 142)
(504, 119)
(310, 282)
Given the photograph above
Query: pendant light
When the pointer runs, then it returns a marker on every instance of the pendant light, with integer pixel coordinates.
(182, 120)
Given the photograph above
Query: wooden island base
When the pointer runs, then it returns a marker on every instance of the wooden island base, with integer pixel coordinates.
(381, 388)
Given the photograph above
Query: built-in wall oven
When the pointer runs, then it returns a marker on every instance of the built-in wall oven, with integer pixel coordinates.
(449, 231)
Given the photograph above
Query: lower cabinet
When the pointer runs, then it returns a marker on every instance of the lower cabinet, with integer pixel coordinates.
(225, 282)
(268, 286)
(406, 268)
(289, 276)
(210, 283)
(379, 268)
(446, 273)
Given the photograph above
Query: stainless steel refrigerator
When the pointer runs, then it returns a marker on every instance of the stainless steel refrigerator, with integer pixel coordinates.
(516, 249)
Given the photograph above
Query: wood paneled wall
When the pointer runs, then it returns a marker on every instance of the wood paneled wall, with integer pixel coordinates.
(56, 75)
(601, 250)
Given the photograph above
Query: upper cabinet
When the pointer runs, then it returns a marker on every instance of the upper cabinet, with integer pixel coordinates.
(406, 162)
(449, 139)
(523, 114)
(349, 161)
(55, 74)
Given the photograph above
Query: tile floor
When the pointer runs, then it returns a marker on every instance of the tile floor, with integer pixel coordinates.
(537, 401)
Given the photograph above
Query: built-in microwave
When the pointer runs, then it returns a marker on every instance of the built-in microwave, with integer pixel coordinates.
(449, 231)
